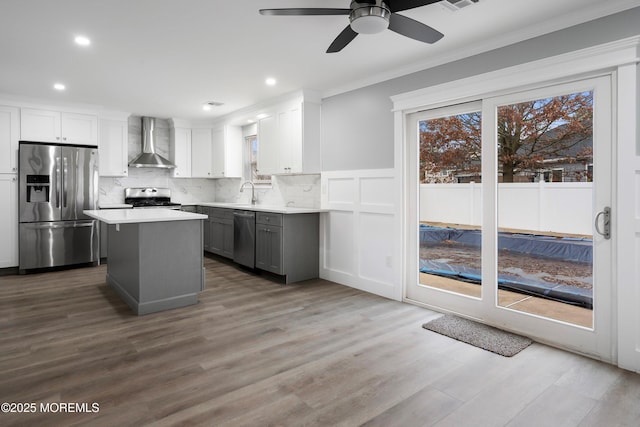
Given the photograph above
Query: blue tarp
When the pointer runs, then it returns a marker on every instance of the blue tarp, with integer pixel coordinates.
(562, 248)
(570, 294)
(567, 249)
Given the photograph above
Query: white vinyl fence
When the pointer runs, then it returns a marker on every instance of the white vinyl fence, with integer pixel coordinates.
(541, 206)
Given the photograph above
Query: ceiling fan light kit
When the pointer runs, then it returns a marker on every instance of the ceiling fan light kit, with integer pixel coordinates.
(370, 17)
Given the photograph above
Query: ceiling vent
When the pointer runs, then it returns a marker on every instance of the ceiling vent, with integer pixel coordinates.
(458, 4)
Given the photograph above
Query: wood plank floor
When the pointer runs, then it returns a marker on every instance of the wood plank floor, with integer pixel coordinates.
(256, 353)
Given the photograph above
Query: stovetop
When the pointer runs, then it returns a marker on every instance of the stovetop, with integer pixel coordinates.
(142, 203)
(150, 197)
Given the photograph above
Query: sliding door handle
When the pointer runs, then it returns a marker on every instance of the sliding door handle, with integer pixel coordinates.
(606, 222)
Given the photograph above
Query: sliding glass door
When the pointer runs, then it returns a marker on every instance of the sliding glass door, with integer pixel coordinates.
(508, 212)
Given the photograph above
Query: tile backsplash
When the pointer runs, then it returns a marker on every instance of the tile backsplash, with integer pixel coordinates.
(286, 190)
(302, 191)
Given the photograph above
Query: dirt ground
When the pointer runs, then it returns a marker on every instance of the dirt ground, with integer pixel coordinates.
(577, 274)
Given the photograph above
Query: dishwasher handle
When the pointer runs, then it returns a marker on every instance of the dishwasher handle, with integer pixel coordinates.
(244, 214)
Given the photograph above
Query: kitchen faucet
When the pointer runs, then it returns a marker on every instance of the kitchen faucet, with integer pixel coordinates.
(253, 188)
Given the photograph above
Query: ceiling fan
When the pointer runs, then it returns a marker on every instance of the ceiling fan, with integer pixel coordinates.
(370, 17)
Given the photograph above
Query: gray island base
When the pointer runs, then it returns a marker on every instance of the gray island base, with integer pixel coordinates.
(155, 265)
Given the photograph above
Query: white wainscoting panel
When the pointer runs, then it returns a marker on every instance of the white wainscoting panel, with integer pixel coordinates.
(377, 194)
(340, 242)
(360, 238)
(341, 192)
(376, 232)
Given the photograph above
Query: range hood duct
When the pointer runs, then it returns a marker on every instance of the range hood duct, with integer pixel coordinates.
(148, 158)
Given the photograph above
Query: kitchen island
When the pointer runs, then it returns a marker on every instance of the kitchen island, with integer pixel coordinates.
(155, 257)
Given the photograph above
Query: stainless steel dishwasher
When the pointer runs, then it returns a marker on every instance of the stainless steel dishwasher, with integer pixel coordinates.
(244, 238)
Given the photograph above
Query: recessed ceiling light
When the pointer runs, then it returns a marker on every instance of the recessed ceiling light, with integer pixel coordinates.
(82, 41)
(270, 81)
(262, 116)
(59, 86)
(250, 121)
(209, 105)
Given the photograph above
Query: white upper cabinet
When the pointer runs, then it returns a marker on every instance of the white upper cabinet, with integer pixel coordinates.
(227, 152)
(180, 148)
(40, 125)
(205, 152)
(291, 142)
(289, 139)
(61, 127)
(79, 129)
(201, 152)
(113, 147)
(217, 153)
(268, 145)
(9, 220)
(9, 137)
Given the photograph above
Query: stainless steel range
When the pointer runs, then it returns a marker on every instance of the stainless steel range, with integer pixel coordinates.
(150, 198)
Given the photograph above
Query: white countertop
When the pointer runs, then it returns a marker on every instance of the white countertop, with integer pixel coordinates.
(124, 216)
(259, 208)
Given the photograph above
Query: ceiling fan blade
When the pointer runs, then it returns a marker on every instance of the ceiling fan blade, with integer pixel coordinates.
(304, 11)
(400, 5)
(413, 29)
(343, 39)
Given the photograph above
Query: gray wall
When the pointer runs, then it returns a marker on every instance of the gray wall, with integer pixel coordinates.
(357, 126)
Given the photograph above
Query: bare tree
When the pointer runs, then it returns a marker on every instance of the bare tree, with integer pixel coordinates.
(527, 134)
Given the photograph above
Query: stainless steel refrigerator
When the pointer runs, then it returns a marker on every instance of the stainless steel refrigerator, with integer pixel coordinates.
(57, 182)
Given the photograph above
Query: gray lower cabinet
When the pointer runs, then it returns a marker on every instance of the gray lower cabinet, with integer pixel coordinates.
(269, 248)
(206, 228)
(288, 245)
(189, 208)
(221, 232)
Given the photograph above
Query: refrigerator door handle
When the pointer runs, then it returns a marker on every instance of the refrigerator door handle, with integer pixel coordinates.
(58, 182)
(65, 183)
(46, 226)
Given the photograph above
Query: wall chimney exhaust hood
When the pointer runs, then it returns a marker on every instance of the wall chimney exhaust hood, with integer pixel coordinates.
(148, 158)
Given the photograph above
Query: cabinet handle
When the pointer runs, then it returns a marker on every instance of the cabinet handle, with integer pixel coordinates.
(64, 138)
(13, 169)
(57, 138)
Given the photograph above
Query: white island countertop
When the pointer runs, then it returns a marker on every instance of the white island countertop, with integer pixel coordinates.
(129, 216)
